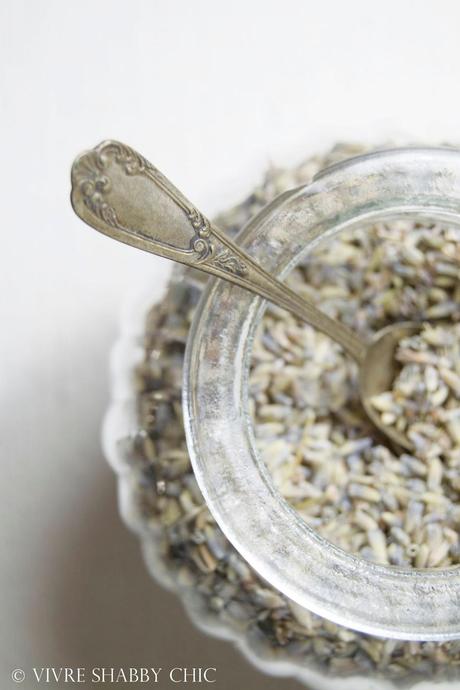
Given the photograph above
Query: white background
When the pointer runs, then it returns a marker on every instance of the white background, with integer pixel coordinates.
(211, 92)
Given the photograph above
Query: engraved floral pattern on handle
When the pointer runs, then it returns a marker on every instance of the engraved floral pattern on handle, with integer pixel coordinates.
(90, 176)
(229, 262)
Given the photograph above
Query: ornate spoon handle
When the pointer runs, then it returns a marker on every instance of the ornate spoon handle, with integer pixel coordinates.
(121, 194)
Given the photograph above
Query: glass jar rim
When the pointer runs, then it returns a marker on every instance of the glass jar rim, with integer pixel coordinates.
(272, 537)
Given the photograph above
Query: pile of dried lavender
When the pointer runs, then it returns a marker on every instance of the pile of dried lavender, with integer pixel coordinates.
(313, 437)
(310, 429)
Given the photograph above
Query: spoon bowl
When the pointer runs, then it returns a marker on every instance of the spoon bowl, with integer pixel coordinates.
(378, 371)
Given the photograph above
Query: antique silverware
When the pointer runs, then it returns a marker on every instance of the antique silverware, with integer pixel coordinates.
(118, 192)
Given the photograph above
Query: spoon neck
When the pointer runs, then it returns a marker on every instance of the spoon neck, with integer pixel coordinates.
(308, 312)
(261, 282)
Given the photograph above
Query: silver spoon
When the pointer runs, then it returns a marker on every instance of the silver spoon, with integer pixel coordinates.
(121, 194)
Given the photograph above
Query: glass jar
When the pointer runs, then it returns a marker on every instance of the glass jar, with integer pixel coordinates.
(270, 536)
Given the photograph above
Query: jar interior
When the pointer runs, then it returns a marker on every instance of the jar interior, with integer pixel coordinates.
(323, 455)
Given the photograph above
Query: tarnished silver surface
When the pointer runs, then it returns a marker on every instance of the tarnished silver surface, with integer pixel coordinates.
(118, 192)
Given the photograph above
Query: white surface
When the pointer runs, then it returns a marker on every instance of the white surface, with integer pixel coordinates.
(211, 92)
